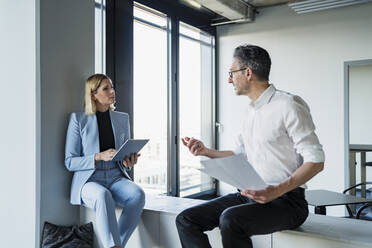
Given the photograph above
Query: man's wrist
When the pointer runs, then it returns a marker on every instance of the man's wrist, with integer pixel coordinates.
(207, 152)
(285, 186)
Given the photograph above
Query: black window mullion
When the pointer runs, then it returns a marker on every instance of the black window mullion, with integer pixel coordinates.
(174, 125)
(119, 53)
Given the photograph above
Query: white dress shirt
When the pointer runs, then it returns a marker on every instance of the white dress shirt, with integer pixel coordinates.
(277, 135)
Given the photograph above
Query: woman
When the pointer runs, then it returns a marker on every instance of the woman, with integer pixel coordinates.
(99, 183)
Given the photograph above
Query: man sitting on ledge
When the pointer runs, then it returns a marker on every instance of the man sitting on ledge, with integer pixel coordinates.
(277, 136)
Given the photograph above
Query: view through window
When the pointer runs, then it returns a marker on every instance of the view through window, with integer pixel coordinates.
(99, 37)
(150, 98)
(195, 104)
(151, 105)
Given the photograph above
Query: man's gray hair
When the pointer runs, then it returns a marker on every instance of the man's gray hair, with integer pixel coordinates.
(256, 58)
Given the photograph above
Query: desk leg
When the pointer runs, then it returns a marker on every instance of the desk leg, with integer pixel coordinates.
(352, 171)
(320, 210)
(363, 172)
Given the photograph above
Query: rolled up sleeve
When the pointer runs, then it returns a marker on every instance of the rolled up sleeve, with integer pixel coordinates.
(301, 130)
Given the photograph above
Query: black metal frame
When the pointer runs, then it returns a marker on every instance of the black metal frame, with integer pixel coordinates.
(174, 171)
(360, 210)
(119, 65)
(320, 210)
(199, 19)
(119, 57)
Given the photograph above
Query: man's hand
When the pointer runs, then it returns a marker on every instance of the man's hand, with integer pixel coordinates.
(129, 162)
(303, 174)
(196, 147)
(264, 195)
(105, 156)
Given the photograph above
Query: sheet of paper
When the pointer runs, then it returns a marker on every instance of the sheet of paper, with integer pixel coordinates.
(234, 170)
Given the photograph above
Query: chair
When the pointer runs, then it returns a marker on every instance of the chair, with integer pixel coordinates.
(368, 164)
(361, 212)
(363, 172)
(365, 215)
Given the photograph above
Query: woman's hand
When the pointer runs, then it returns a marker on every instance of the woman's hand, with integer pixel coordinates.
(196, 147)
(129, 162)
(106, 155)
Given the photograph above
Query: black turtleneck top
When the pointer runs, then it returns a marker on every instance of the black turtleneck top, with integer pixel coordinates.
(106, 135)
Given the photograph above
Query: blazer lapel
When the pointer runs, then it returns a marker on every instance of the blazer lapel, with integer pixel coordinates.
(95, 141)
(119, 137)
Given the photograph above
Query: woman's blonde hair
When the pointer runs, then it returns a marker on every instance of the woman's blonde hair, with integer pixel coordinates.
(91, 86)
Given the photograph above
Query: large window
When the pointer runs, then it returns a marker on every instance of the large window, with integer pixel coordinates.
(195, 104)
(99, 36)
(173, 84)
(150, 97)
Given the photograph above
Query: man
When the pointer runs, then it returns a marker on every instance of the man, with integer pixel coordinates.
(277, 136)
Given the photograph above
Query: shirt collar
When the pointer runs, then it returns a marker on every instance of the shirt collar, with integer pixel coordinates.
(264, 98)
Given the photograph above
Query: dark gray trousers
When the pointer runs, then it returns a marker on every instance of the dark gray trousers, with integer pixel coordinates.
(239, 217)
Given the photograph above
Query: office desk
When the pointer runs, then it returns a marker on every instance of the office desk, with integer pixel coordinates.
(353, 149)
(321, 199)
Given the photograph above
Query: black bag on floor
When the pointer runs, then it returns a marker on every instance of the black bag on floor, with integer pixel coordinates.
(67, 236)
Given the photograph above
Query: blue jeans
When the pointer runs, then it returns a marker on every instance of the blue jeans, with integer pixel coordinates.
(105, 190)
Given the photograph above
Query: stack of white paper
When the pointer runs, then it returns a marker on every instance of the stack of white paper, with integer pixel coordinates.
(234, 170)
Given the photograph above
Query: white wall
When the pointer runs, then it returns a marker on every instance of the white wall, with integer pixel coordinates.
(18, 70)
(307, 52)
(66, 60)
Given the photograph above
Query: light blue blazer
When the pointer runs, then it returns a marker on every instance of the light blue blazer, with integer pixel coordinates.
(82, 143)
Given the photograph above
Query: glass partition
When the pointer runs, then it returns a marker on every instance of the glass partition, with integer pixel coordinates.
(150, 98)
(196, 70)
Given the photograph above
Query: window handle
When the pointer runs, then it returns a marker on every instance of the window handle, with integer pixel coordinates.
(219, 127)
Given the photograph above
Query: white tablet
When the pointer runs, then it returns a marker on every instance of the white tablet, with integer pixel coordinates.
(129, 147)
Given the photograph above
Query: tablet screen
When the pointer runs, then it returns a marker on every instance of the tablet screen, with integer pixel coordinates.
(129, 147)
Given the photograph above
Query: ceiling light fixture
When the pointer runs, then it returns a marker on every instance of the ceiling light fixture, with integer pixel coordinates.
(193, 4)
(307, 6)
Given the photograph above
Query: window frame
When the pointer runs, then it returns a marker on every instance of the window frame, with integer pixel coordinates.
(119, 30)
(211, 193)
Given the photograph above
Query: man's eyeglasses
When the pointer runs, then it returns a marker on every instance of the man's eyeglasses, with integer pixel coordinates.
(231, 72)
